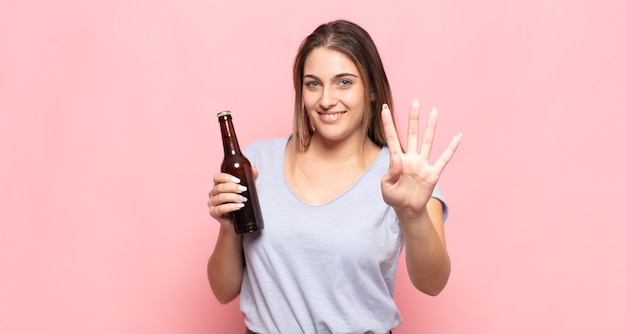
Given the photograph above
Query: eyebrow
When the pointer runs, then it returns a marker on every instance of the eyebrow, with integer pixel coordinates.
(334, 77)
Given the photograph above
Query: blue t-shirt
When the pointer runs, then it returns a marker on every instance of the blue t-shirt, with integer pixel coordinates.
(327, 268)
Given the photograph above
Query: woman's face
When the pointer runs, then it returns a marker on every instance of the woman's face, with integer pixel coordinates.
(333, 94)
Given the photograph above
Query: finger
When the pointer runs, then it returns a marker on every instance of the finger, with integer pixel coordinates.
(226, 188)
(413, 133)
(447, 154)
(224, 198)
(225, 178)
(429, 134)
(395, 170)
(222, 212)
(255, 172)
(395, 167)
(390, 130)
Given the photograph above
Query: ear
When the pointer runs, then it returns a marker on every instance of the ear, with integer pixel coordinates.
(373, 96)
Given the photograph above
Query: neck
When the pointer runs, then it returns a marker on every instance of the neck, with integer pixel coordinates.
(356, 149)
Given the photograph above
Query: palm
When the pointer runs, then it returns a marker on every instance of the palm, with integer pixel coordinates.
(411, 178)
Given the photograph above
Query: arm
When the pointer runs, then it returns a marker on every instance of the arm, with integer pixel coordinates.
(226, 264)
(408, 187)
(427, 258)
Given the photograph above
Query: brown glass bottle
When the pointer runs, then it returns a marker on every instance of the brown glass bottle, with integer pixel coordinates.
(247, 219)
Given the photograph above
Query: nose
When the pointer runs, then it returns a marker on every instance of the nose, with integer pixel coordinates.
(328, 99)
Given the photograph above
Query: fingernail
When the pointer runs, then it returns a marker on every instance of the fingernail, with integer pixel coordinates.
(242, 188)
(240, 205)
(243, 199)
(415, 104)
(235, 179)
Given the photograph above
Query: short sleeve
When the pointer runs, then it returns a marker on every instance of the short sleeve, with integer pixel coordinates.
(438, 195)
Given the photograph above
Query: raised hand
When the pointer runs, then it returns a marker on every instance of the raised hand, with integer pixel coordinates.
(410, 180)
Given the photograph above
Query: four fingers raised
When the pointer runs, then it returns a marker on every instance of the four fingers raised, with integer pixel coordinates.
(393, 141)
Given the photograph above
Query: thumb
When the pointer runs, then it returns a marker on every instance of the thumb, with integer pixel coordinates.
(395, 170)
(255, 172)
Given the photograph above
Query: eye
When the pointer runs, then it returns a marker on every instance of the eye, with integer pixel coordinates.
(311, 84)
(345, 82)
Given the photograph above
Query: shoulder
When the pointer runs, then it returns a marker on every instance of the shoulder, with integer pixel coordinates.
(266, 149)
(264, 145)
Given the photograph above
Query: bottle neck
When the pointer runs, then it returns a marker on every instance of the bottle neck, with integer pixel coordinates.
(229, 138)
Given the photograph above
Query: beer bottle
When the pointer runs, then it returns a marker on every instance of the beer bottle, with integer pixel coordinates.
(247, 219)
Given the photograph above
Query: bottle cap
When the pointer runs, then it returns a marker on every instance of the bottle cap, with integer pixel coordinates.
(223, 113)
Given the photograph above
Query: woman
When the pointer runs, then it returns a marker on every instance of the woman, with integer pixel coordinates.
(340, 198)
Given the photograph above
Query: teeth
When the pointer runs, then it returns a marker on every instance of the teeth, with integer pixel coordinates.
(331, 117)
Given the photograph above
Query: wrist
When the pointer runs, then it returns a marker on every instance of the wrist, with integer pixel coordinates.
(227, 232)
(411, 215)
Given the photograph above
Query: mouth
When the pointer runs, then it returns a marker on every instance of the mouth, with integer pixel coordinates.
(330, 116)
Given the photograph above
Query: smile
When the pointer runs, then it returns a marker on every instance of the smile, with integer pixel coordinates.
(330, 117)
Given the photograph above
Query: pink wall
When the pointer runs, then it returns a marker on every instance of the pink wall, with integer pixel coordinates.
(109, 139)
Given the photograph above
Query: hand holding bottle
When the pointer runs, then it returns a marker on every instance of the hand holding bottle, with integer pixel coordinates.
(234, 188)
(225, 197)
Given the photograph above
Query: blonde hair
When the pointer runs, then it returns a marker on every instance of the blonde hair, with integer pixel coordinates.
(353, 41)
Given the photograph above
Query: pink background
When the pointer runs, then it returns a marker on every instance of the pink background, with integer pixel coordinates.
(109, 140)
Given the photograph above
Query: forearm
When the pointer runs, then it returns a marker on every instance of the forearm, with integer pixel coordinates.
(226, 266)
(427, 258)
